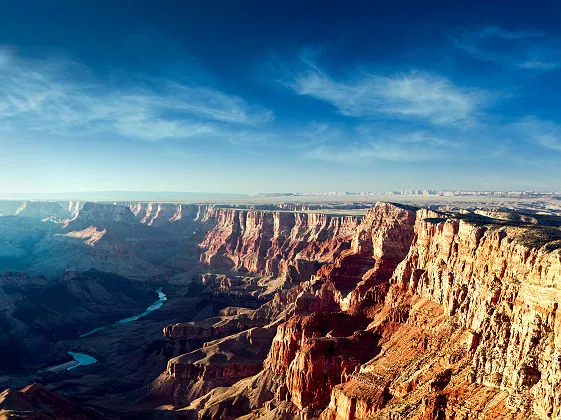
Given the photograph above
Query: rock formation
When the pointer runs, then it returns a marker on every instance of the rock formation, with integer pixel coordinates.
(404, 313)
(145, 239)
(36, 402)
(426, 315)
(291, 245)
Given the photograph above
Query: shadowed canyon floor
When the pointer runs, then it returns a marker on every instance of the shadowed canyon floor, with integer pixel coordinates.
(292, 310)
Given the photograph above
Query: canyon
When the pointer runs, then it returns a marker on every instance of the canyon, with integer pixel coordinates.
(282, 310)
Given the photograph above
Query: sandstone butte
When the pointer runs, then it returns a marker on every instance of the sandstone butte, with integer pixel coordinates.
(408, 313)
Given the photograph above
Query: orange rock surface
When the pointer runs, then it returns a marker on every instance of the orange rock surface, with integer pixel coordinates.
(293, 245)
(422, 315)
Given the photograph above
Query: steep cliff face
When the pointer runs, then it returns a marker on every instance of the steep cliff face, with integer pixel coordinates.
(505, 293)
(112, 237)
(357, 280)
(290, 245)
(293, 245)
(141, 238)
(34, 209)
(41, 209)
(472, 317)
(406, 314)
(316, 352)
(162, 214)
(219, 362)
(426, 315)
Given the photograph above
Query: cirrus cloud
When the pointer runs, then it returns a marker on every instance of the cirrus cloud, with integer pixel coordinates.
(520, 49)
(543, 133)
(60, 96)
(367, 95)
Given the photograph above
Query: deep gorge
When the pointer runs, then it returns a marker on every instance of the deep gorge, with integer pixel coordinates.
(402, 313)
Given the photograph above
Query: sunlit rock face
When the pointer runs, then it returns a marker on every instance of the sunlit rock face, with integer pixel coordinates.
(405, 313)
(162, 214)
(501, 289)
(292, 245)
(358, 278)
(425, 315)
(471, 326)
(318, 351)
(139, 238)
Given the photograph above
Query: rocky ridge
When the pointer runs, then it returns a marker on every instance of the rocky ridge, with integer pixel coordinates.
(426, 315)
(407, 313)
(290, 245)
(36, 402)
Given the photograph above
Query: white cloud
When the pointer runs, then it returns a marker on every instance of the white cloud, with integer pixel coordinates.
(413, 95)
(370, 152)
(59, 96)
(369, 143)
(546, 134)
(521, 49)
(489, 31)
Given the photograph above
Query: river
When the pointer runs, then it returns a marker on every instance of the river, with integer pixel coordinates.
(156, 305)
(82, 359)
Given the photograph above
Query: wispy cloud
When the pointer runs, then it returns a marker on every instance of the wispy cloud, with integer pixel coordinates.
(59, 96)
(489, 31)
(543, 133)
(521, 49)
(367, 95)
(367, 143)
(365, 153)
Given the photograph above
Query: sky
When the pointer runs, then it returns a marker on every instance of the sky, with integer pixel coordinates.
(260, 96)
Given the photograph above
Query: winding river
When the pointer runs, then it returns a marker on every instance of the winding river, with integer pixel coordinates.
(82, 359)
(156, 305)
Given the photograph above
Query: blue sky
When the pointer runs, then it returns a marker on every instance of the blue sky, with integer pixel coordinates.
(258, 96)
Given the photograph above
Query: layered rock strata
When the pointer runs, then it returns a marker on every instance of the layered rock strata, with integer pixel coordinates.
(445, 316)
(471, 317)
(293, 245)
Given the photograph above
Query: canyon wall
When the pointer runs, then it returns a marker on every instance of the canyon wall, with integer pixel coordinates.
(292, 245)
(407, 313)
(426, 315)
(144, 239)
(472, 308)
(501, 287)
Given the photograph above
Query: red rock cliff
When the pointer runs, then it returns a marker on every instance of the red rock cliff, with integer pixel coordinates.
(293, 245)
(470, 326)
(425, 315)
